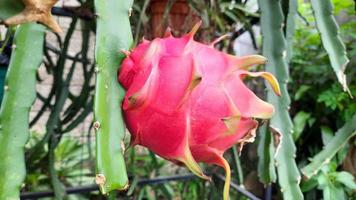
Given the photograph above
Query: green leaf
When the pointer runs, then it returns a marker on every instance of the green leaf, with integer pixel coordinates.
(342, 4)
(300, 92)
(167, 190)
(331, 192)
(347, 179)
(300, 120)
(309, 184)
(329, 31)
(326, 134)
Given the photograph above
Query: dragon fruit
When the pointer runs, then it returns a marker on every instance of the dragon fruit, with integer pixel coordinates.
(186, 101)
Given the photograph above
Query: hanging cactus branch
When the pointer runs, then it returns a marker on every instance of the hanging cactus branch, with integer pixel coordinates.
(274, 48)
(330, 37)
(113, 34)
(266, 153)
(14, 114)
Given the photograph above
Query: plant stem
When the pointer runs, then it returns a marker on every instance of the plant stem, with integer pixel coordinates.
(113, 34)
(19, 96)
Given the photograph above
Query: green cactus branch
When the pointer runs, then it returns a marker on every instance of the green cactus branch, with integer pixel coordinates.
(334, 145)
(274, 48)
(113, 34)
(330, 37)
(266, 151)
(14, 114)
(290, 28)
(237, 165)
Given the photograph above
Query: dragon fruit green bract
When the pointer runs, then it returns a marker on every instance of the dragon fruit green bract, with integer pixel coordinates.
(186, 101)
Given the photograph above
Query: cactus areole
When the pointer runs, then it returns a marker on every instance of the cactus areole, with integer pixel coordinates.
(186, 101)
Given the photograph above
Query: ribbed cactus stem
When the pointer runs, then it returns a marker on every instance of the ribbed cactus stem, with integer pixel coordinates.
(274, 48)
(330, 37)
(266, 152)
(19, 96)
(290, 29)
(113, 34)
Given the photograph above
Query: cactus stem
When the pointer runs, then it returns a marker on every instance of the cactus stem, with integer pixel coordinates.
(113, 33)
(14, 112)
(326, 161)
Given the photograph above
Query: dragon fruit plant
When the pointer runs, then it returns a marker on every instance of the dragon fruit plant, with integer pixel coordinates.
(187, 102)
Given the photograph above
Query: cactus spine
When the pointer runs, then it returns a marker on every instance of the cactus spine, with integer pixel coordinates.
(14, 113)
(113, 35)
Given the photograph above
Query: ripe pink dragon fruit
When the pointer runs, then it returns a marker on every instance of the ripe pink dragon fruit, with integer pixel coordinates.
(186, 101)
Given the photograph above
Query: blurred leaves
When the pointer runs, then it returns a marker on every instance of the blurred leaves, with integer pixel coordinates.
(300, 120)
(71, 163)
(331, 148)
(334, 184)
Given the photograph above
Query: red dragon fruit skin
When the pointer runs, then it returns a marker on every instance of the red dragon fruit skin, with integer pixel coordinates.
(186, 101)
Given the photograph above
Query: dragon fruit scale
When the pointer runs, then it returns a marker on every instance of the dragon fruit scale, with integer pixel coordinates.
(186, 101)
